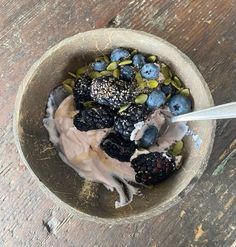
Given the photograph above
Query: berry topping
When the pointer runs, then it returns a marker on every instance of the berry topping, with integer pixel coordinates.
(124, 121)
(118, 148)
(119, 54)
(81, 91)
(150, 71)
(156, 99)
(179, 104)
(112, 91)
(99, 65)
(168, 89)
(97, 117)
(138, 60)
(149, 137)
(126, 73)
(152, 168)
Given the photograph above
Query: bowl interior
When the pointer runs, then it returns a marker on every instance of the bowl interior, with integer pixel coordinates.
(91, 198)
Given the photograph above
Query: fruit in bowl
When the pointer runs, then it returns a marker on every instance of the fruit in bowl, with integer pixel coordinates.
(91, 200)
(108, 127)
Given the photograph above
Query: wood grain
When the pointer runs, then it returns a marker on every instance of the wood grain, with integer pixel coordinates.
(206, 32)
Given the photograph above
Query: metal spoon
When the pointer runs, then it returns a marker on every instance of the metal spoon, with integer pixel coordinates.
(217, 112)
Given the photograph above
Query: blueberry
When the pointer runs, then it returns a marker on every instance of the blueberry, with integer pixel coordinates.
(156, 99)
(179, 104)
(126, 73)
(149, 137)
(138, 60)
(168, 89)
(99, 65)
(150, 71)
(119, 54)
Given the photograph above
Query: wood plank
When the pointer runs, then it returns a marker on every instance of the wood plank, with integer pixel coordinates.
(206, 32)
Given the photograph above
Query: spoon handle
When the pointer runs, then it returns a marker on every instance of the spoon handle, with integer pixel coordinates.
(217, 112)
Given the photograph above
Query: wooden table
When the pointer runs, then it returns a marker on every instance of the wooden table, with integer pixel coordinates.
(206, 31)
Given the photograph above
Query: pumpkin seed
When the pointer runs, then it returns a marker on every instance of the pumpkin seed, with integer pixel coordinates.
(112, 66)
(140, 99)
(176, 85)
(116, 73)
(165, 71)
(94, 74)
(68, 81)
(152, 59)
(177, 81)
(106, 59)
(72, 84)
(152, 84)
(68, 88)
(125, 62)
(142, 85)
(88, 104)
(99, 59)
(106, 73)
(133, 52)
(82, 70)
(177, 148)
(72, 74)
(123, 108)
(168, 96)
(138, 78)
(185, 92)
(167, 81)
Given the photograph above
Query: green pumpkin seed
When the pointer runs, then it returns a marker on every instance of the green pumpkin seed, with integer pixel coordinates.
(138, 78)
(185, 92)
(141, 99)
(152, 59)
(88, 104)
(68, 81)
(125, 62)
(106, 59)
(177, 148)
(142, 85)
(95, 74)
(81, 70)
(165, 71)
(168, 96)
(167, 81)
(106, 73)
(116, 73)
(133, 52)
(103, 58)
(99, 59)
(72, 74)
(177, 81)
(68, 88)
(152, 84)
(72, 84)
(112, 66)
(176, 85)
(123, 108)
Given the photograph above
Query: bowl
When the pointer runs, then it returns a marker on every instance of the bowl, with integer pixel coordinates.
(89, 200)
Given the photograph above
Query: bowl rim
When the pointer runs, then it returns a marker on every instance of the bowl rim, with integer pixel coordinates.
(152, 212)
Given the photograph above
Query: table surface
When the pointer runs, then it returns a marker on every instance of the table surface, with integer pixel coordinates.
(206, 31)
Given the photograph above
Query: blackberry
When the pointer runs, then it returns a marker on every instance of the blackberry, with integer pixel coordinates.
(124, 121)
(81, 91)
(97, 117)
(152, 168)
(118, 148)
(112, 91)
